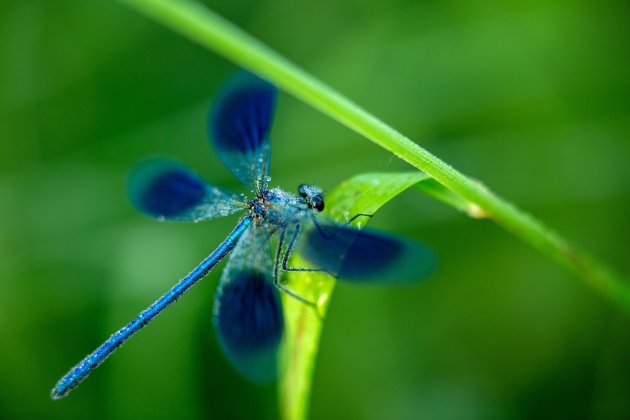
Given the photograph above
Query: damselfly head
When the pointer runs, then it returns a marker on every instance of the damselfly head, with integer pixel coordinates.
(313, 196)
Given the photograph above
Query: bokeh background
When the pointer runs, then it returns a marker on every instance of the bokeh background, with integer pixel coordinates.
(533, 99)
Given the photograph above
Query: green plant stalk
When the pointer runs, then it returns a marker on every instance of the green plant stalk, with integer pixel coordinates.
(450, 186)
(215, 33)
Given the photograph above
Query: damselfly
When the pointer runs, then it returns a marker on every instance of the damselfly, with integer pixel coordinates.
(247, 310)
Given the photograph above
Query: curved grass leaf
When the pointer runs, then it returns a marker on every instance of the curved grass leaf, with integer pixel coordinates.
(366, 194)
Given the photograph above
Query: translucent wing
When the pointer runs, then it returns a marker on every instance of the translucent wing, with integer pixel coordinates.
(365, 255)
(247, 310)
(166, 189)
(239, 126)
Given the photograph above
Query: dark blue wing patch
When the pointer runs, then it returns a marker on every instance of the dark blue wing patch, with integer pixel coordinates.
(165, 189)
(248, 317)
(366, 255)
(242, 119)
(240, 123)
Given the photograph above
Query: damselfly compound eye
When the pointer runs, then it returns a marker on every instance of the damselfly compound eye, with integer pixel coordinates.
(313, 195)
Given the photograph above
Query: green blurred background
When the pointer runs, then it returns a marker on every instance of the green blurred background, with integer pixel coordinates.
(533, 99)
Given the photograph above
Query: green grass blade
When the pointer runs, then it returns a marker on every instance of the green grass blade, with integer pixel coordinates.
(361, 194)
(205, 27)
(215, 33)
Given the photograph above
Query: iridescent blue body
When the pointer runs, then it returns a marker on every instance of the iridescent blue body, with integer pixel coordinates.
(98, 356)
(247, 312)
